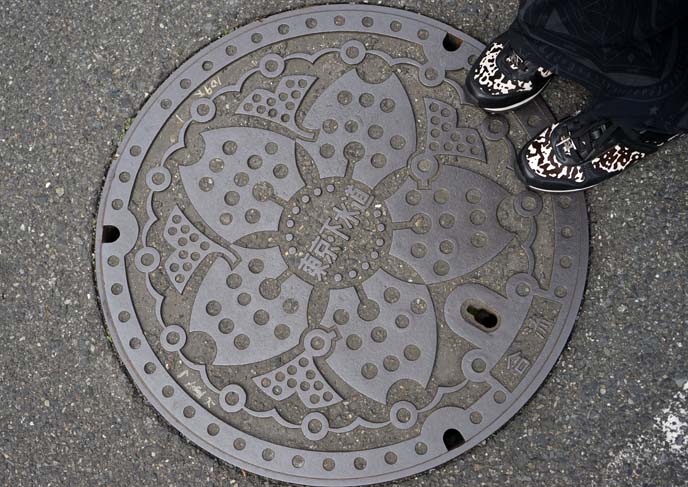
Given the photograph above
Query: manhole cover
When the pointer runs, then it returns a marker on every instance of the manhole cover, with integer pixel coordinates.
(314, 256)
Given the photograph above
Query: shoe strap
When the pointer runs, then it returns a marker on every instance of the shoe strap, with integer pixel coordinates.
(510, 57)
(582, 140)
(588, 143)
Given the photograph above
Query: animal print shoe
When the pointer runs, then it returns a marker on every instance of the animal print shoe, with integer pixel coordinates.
(501, 80)
(574, 155)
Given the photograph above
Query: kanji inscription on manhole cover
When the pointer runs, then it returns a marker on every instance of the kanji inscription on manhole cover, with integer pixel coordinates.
(315, 258)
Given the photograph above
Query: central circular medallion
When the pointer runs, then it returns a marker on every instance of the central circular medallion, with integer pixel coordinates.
(316, 260)
(335, 234)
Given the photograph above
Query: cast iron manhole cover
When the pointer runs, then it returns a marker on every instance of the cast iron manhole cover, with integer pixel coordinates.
(314, 256)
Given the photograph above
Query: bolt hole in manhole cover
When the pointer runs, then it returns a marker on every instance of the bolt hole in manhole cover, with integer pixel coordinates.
(314, 256)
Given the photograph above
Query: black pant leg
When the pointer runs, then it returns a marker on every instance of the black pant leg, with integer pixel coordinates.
(631, 54)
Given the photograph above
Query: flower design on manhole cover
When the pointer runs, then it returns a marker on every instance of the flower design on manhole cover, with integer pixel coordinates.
(315, 256)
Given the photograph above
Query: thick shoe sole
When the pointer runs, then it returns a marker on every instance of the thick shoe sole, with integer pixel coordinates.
(519, 104)
(577, 190)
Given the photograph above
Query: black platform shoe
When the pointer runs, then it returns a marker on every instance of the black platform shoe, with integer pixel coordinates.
(576, 154)
(501, 80)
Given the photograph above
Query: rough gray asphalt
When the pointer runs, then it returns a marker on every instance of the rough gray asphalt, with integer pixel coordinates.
(72, 73)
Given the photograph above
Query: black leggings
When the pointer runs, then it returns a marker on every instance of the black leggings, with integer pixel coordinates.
(631, 54)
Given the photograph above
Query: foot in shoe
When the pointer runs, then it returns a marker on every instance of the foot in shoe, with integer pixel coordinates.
(577, 153)
(502, 80)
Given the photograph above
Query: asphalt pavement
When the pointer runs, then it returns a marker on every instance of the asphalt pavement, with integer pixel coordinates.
(73, 74)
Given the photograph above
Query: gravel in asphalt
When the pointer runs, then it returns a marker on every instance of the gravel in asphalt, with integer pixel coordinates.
(73, 73)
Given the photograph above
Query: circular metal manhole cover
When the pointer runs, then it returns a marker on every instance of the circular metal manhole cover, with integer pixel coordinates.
(314, 256)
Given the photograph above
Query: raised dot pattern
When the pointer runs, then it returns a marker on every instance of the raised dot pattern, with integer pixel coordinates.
(299, 376)
(246, 326)
(444, 137)
(190, 248)
(236, 199)
(451, 229)
(395, 342)
(369, 124)
(281, 105)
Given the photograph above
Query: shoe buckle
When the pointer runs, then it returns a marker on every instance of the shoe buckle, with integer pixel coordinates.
(515, 59)
(568, 144)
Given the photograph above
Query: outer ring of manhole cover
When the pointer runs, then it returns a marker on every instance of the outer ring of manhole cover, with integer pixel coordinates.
(315, 259)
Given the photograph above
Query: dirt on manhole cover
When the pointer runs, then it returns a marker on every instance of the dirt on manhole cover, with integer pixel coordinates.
(314, 256)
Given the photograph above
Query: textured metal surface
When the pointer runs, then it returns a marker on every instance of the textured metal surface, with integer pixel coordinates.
(314, 256)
